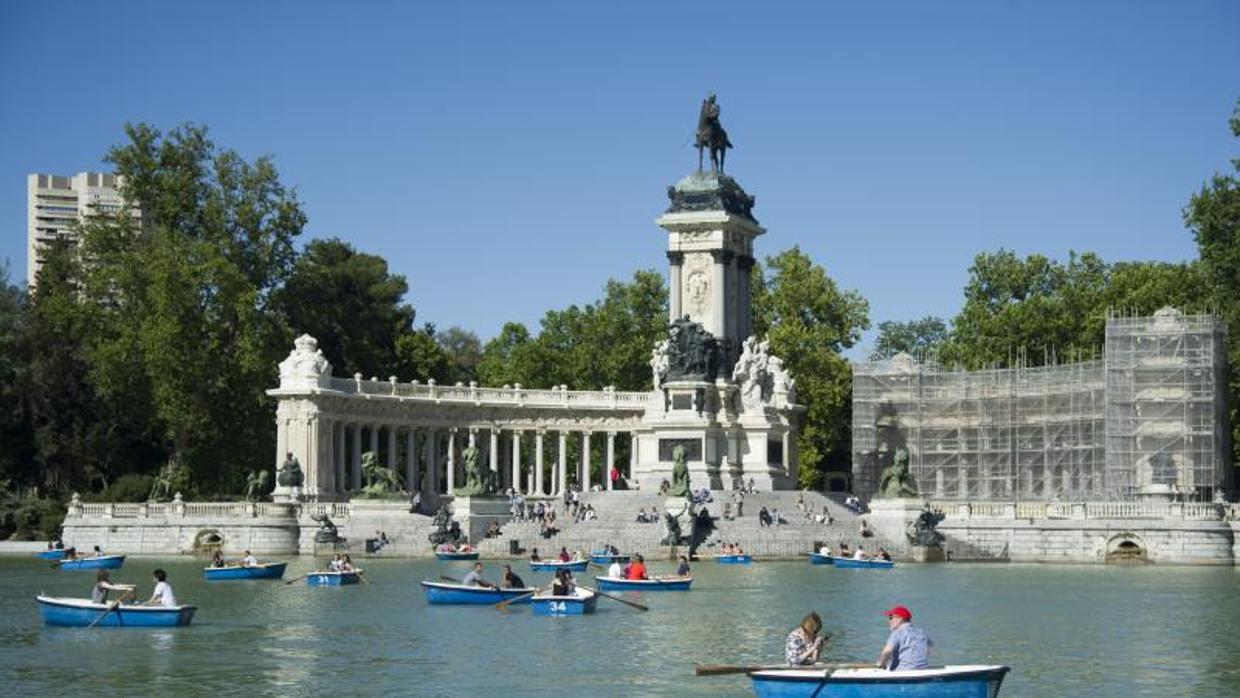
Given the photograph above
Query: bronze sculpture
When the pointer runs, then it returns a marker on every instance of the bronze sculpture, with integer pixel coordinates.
(710, 134)
(895, 481)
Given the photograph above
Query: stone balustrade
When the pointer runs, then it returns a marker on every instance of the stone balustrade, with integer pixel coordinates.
(1186, 511)
(179, 508)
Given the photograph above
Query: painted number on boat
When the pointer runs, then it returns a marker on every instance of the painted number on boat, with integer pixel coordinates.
(322, 579)
(559, 606)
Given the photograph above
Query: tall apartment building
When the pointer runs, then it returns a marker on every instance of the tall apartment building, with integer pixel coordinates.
(55, 203)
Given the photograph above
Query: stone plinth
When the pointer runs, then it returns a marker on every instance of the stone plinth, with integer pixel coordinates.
(891, 518)
(475, 514)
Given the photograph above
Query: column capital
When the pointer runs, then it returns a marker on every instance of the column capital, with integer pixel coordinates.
(722, 256)
(744, 262)
(675, 258)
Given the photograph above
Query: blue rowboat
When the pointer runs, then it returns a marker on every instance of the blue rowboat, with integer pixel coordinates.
(616, 584)
(553, 565)
(266, 570)
(439, 593)
(103, 562)
(820, 559)
(733, 559)
(80, 613)
(581, 602)
(602, 557)
(471, 555)
(332, 579)
(54, 554)
(973, 681)
(849, 562)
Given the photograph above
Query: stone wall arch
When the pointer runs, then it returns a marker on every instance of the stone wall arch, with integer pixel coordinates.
(1127, 548)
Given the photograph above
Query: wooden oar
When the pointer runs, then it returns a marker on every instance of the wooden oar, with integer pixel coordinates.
(617, 598)
(298, 578)
(115, 605)
(503, 605)
(446, 578)
(362, 576)
(718, 669)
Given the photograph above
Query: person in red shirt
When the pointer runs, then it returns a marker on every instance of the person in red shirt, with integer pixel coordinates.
(637, 570)
(564, 556)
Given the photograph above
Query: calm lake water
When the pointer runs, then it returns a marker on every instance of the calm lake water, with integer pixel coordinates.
(1064, 630)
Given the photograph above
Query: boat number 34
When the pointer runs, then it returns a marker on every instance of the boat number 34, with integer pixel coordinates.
(559, 606)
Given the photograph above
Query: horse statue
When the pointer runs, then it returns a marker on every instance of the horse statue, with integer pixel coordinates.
(710, 134)
(924, 531)
(380, 481)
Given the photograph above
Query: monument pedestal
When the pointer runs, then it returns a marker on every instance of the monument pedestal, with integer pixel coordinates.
(475, 514)
(286, 495)
(686, 418)
(891, 519)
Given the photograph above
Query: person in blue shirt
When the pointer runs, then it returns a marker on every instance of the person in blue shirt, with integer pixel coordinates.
(907, 645)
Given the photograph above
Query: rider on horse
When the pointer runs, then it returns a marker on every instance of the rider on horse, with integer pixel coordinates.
(710, 134)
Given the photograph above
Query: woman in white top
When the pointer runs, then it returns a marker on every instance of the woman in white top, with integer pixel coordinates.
(163, 595)
(615, 571)
(860, 554)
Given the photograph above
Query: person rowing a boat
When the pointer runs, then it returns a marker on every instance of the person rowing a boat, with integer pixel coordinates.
(474, 578)
(162, 595)
(511, 580)
(907, 645)
(346, 564)
(683, 569)
(534, 556)
(564, 556)
(563, 584)
(217, 560)
(99, 594)
(249, 560)
(804, 644)
(615, 571)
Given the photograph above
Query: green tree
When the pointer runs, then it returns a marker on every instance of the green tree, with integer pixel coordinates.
(17, 464)
(351, 303)
(186, 328)
(918, 338)
(1213, 216)
(507, 358)
(809, 322)
(1029, 310)
(420, 357)
(464, 350)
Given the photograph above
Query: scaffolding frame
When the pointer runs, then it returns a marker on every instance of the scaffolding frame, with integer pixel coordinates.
(1151, 412)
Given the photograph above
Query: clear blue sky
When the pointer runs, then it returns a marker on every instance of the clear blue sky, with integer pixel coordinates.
(509, 158)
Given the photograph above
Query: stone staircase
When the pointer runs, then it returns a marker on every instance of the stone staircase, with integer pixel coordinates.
(616, 525)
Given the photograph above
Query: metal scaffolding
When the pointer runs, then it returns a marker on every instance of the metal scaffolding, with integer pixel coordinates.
(1083, 431)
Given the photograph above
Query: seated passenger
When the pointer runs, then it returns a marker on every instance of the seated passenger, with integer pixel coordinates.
(637, 569)
(217, 560)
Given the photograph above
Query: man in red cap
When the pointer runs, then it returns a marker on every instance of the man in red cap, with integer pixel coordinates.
(907, 645)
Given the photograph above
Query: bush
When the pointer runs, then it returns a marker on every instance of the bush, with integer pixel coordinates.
(32, 518)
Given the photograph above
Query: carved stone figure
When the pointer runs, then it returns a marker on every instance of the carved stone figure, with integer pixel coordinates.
(168, 482)
(750, 373)
(478, 480)
(255, 482)
(305, 365)
(658, 363)
(680, 474)
(924, 531)
(692, 352)
(380, 481)
(290, 474)
(327, 530)
(710, 134)
(783, 385)
(895, 482)
(447, 530)
(671, 530)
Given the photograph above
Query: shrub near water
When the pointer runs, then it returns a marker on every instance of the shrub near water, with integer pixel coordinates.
(31, 518)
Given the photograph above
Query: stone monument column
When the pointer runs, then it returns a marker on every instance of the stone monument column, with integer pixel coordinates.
(719, 305)
(675, 261)
(451, 469)
(611, 459)
(411, 459)
(391, 459)
(355, 472)
(432, 460)
(744, 270)
(563, 458)
(493, 453)
(516, 460)
(585, 461)
(538, 462)
(341, 433)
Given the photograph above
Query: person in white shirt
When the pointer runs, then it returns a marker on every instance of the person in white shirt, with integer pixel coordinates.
(615, 571)
(163, 595)
(249, 560)
(824, 550)
(860, 554)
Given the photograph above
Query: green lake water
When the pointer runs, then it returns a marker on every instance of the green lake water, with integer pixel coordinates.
(1064, 630)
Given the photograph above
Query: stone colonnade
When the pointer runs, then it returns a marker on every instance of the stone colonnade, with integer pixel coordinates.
(535, 461)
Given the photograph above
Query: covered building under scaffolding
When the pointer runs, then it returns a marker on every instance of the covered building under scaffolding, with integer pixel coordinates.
(1148, 420)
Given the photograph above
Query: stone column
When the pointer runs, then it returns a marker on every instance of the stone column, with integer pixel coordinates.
(355, 473)
(744, 311)
(411, 460)
(374, 440)
(633, 441)
(516, 460)
(538, 462)
(719, 321)
(341, 428)
(391, 459)
(451, 459)
(493, 455)
(611, 459)
(675, 264)
(562, 486)
(585, 461)
(432, 458)
(311, 467)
